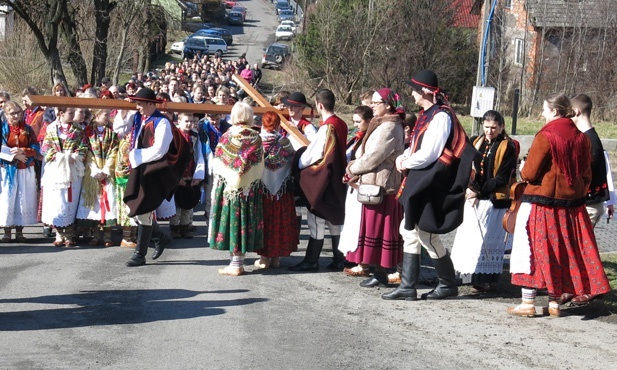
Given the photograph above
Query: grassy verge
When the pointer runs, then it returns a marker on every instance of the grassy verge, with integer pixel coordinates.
(609, 261)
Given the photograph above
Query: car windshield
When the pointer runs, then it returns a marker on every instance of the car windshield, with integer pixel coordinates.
(284, 28)
(287, 12)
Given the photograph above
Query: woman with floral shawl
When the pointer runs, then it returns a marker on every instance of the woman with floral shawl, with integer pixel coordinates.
(98, 201)
(280, 224)
(18, 185)
(236, 220)
(64, 148)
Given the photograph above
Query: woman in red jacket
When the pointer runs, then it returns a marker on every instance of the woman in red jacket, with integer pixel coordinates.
(554, 244)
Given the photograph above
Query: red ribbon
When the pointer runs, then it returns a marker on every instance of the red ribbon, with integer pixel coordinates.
(103, 201)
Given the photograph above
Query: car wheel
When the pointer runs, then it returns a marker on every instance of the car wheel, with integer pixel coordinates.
(219, 53)
(278, 58)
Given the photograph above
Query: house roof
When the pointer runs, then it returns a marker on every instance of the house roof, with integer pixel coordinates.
(463, 16)
(571, 13)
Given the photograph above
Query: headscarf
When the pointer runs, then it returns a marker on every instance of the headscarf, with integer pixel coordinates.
(391, 98)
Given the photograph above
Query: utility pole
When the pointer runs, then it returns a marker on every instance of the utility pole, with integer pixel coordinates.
(482, 64)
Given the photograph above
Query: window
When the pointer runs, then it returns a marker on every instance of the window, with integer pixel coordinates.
(519, 51)
(507, 4)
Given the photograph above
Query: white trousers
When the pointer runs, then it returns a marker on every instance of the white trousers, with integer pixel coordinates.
(317, 227)
(414, 239)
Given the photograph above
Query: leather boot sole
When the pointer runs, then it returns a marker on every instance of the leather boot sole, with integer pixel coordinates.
(136, 260)
(401, 294)
(438, 294)
(305, 267)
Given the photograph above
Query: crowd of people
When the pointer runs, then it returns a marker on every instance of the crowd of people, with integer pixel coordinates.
(385, 192)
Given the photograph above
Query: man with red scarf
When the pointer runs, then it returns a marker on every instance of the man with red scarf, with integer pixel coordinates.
(321, 168)
(437, 164)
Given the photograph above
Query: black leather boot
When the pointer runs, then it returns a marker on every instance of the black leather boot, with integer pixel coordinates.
(338, 258)
(310, 263)
(379, 278)
(409, 278)
(144, 232)
(447, 279)
(299, 219)
(160, 240)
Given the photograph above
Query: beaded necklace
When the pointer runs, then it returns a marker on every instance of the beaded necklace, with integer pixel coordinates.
(487, 152)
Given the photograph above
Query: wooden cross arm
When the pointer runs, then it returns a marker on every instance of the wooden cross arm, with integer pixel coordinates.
(63, 101)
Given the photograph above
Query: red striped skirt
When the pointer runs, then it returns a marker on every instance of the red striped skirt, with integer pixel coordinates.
(564, 253)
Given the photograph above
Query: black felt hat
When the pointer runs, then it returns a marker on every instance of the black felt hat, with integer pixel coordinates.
(296, 99)
(424, 79)
(187, 197)
(146, 95)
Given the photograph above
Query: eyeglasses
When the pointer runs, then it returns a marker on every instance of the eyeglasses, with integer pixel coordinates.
(377, 102)
(357, 121)
(16, 113)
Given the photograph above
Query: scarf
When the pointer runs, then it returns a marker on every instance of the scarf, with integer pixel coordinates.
(565, 140)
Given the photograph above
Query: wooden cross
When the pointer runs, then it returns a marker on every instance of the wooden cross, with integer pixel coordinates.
(90, 103)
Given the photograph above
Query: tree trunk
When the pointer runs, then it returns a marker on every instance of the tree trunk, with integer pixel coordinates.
(103, 9)
(75, 57)
(118, 65)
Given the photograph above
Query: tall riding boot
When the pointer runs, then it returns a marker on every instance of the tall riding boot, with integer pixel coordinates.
(174, 231)
(447, 279)
(310, 263)
(337, 256)
(409, 278)
(127, 237)
(144, 233)
(160, 240)
(185, 232)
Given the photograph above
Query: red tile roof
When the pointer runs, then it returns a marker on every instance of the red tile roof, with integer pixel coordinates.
(463, 17)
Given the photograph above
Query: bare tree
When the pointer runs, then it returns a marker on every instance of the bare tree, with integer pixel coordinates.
(43, 18)
(125, 13)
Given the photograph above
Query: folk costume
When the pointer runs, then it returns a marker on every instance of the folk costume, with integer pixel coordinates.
(321, 168)
(297, 99)
(121, 175)
(18, 182)
(280, 225)
(98, 201)
(61, 181)
(158, 158)
(481, 240)
(353, 209)
(213, 134)
(554, 244)
(236, 221)
(433, 193)
(380, 243)
(598, 192)
(187, 196)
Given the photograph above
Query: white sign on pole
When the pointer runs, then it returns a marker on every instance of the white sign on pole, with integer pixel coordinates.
(482, 100)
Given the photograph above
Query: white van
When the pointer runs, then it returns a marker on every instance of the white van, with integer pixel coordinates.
(216, 45)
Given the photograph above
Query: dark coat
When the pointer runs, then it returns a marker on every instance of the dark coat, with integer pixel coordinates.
(151, 183)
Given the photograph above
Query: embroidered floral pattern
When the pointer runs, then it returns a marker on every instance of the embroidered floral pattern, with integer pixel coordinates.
(239, 150)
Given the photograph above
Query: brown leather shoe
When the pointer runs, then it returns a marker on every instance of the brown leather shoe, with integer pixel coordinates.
(356, 271)
(565, 298)
(584, 299)
(551, 311)
(522, 311)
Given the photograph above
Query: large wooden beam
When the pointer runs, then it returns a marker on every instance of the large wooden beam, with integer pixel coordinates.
(62, 101)
(263, 102)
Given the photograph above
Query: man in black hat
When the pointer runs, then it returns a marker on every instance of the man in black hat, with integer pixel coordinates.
(295, 103)
(158, 158)
(437, 164)
(321, 168)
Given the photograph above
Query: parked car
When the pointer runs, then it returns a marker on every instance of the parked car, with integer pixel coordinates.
(226, 35)
(286, 15)
(239, 9)
(281, 4)
(275, 55)
(208, 32)
(216, 45)
(283, 33)
(195, 46)
(177, 47)
(291, 24)
(230, 4)
(195, 26)
(235, 18)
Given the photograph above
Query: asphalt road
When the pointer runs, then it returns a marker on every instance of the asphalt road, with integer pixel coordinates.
(81, 308)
